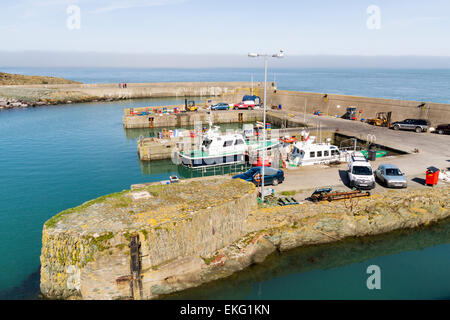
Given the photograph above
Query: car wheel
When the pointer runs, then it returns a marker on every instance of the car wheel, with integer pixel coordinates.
(275, 182)
(396, 127)
(418, 129)
(235, 108)
(441, 131)
(250, 108)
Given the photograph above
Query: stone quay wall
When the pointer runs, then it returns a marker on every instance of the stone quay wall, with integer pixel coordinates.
(190, 119)
(45, 94)
(334, 104)
(89, 254)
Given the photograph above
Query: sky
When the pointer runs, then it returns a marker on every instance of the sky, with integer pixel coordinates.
(189, 30)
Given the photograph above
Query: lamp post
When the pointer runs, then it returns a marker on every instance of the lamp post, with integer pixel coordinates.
(266, 61)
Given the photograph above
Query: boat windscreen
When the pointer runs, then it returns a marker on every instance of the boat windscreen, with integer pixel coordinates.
(298, 153)
(206, 143)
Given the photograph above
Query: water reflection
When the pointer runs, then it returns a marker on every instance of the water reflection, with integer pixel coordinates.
(249, 283)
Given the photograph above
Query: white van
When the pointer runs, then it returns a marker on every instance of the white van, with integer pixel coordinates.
(360, 174)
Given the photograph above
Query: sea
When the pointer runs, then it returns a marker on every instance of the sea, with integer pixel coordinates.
(56, 157)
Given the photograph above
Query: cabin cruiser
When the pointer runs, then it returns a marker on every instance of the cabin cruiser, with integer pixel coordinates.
(216, 149)
(220, 149)
(306, 152)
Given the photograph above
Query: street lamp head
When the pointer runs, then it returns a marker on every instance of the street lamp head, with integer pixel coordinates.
(279, 55)
(253, 55)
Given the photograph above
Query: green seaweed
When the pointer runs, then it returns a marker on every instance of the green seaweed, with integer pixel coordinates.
(55, 219)
(100, 241)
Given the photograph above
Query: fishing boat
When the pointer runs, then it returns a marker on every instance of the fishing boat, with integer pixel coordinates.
(306, 152)
(223, 149)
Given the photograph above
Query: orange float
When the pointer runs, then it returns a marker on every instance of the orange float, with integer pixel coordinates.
(288, 140)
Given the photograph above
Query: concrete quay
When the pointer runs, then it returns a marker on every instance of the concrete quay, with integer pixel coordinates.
(433, 150)
(367, 107)
(190, 118)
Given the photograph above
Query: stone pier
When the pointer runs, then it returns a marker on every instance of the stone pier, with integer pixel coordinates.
(160, 239)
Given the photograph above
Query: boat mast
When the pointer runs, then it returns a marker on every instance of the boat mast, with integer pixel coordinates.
(210, 119)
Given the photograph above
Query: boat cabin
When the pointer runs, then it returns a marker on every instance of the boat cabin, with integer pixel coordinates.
(228, 143)
(310, 154)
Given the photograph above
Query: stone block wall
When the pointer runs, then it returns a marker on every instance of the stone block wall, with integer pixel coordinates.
(437, 113)
(88, 265)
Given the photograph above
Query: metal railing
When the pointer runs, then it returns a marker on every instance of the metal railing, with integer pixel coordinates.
(227, 169)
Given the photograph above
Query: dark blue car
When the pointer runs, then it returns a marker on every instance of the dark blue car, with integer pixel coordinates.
(271, 176)
(220, 106)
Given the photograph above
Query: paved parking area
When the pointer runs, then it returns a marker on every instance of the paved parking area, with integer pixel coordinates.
(434, 150)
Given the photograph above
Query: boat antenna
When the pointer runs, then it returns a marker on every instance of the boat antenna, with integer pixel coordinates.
(210, 119)
(320, 132)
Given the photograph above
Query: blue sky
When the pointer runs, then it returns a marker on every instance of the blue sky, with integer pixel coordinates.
(321, 27)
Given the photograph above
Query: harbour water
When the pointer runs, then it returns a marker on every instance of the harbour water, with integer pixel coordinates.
(56, 157)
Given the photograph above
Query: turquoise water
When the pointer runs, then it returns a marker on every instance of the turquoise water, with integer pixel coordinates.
(413, 264)
(56, 157)
(53, 158)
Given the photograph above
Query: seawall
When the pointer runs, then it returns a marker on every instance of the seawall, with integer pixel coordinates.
(334, 104)
(71, 93)
(190, 119)
(161, 239)
(232, 92)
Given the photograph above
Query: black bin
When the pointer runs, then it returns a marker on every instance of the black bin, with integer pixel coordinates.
(372, 155)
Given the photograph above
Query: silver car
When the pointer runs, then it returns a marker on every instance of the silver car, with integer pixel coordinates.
(391, 176)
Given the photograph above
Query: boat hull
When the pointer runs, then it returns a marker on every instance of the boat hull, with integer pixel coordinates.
(196, 162)
(311, 162)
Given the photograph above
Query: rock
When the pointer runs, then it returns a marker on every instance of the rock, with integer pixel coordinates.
(17, 104)
(263, 248)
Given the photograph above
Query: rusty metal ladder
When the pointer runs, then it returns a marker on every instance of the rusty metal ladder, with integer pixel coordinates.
(135, 268)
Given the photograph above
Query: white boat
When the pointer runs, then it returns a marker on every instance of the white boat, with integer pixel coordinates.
(220, 149)
(306, 152)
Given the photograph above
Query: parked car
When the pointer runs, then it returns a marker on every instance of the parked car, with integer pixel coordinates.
(220, 106)
(249, 99)
(249, 105)
(391, 176)
(359, 172)
(417, 125)
(271, 176)
(443, 128)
